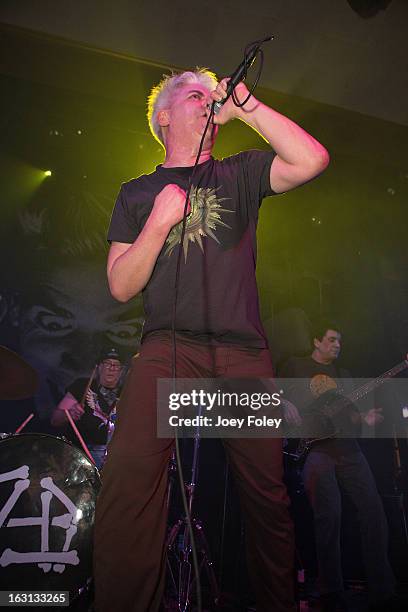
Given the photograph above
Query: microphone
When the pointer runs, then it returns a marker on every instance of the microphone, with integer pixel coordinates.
(240, 73)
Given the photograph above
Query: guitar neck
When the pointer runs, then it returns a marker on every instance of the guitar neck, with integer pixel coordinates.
(359, 393)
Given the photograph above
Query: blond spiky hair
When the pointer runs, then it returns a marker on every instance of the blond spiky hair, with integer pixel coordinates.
(160, 96)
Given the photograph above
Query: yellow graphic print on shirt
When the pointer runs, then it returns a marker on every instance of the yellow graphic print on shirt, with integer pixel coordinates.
(202, 221)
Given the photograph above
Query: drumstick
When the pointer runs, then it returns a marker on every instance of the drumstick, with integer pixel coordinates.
(90, 381)
(24, 423)
(80, 438)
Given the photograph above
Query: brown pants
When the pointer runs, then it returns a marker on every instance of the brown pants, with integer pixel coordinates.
(131, 517)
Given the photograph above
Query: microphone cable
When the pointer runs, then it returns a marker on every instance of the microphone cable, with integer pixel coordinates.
(174, 367)
(248, 63)
(254, 50)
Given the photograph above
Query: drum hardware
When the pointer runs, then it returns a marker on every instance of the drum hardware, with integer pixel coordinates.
(172, 470)
(178, 543)
(398, 483)
(18, 380)
(223, 523)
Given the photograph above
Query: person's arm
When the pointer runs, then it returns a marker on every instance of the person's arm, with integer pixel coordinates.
(299, 156)
(70, 403)
(130, 266)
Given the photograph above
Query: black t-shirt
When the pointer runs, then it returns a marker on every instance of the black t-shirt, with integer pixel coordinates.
(313, 377)
(218, 297)
(311, 371)
(98, 404)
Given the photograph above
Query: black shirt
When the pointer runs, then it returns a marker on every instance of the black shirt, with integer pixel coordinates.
(218, 298)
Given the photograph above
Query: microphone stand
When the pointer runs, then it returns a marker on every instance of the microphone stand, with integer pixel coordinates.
(178, 542)
(398, 484)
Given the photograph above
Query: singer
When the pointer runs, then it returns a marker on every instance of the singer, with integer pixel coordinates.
(219, 332)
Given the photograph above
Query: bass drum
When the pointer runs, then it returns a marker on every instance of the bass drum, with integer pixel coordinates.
(48, 491)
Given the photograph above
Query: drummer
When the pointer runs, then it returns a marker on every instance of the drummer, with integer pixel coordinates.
(91, 403)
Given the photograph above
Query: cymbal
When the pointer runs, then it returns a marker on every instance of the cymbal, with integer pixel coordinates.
(18, 380)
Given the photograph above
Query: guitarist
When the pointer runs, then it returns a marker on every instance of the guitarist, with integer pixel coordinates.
(333, 465)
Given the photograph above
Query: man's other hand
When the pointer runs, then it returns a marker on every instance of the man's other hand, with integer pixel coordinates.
(169, 206)
(373, 416)
(291, 413)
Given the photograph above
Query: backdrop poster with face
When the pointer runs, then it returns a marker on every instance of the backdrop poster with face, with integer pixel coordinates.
(57, 312)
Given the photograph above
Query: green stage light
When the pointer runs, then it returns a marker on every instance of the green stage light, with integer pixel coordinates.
(47, 173)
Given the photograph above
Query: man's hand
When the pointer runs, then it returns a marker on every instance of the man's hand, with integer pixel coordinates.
(229, 110)
(373, 416)
(291, 413)
(70, 404)
(168, 207)
(76, 411)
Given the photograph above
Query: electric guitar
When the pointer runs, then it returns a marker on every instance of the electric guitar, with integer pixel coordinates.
(334, 415)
